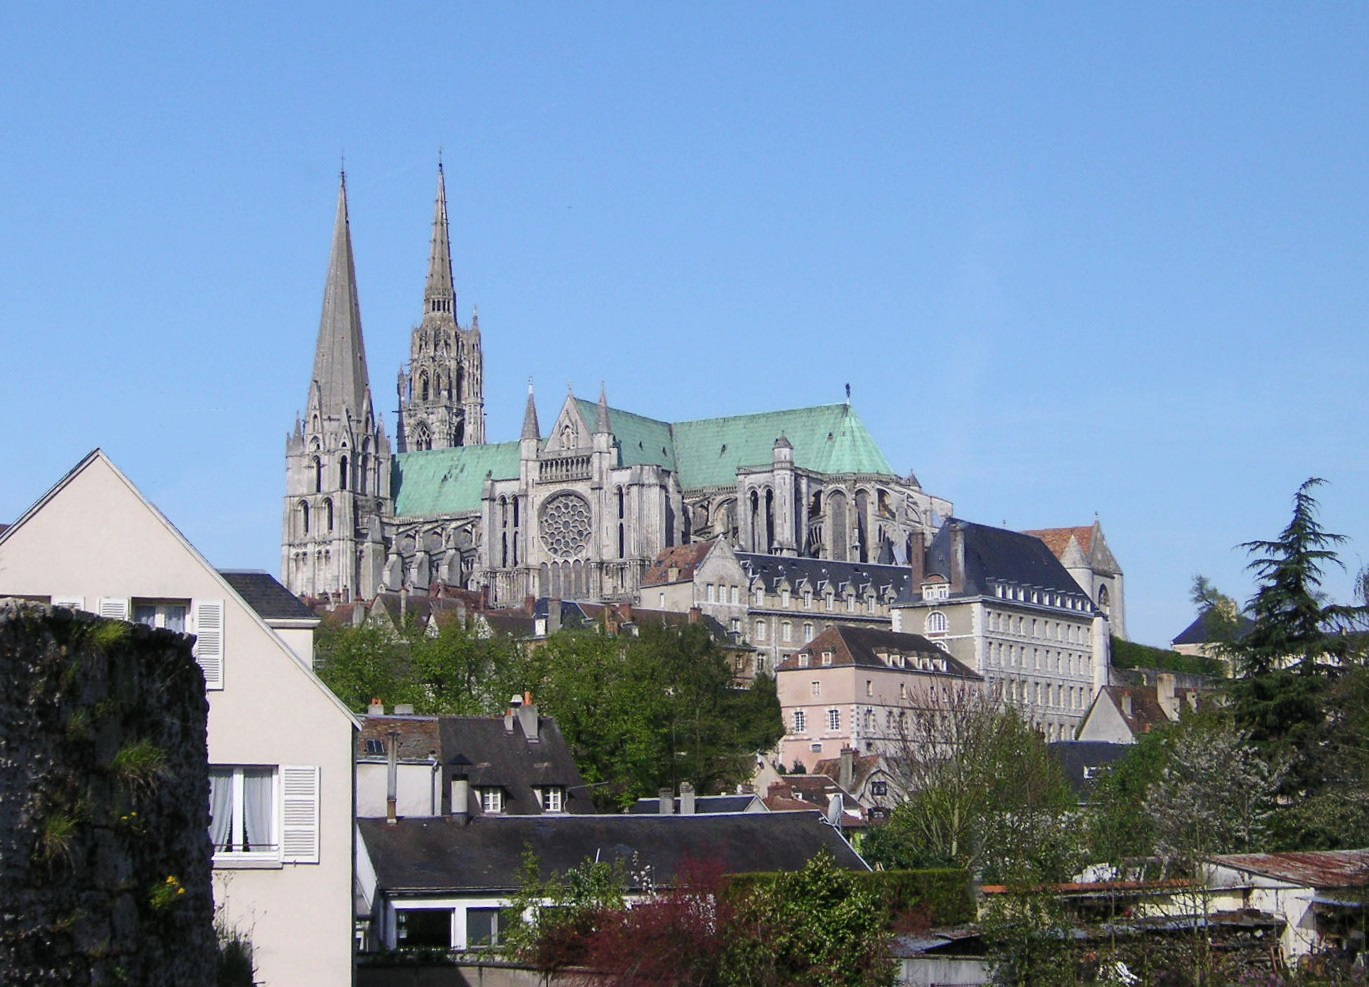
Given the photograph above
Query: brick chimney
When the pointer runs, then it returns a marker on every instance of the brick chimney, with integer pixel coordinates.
(695, 614)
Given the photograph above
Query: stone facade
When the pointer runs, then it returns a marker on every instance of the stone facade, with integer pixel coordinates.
(579, 512)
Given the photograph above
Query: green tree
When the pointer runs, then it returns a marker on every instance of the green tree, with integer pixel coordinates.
(1294, 627)
(360, 663)
(979, 791)
(1119, 829)
(647, 712)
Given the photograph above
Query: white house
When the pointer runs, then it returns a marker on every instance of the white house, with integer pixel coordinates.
(280, 744)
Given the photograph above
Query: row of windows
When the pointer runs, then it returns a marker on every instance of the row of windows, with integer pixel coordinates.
(1002, 655)
(1046, 693)
(1055, 630)
(551, 797)
(786, 630)
(829, 601)
(801, 720)
(434, 928)
(1064, 601)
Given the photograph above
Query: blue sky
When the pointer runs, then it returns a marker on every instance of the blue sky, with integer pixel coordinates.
(1072, 258)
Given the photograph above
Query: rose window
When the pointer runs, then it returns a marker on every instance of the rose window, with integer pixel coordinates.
(566, 525)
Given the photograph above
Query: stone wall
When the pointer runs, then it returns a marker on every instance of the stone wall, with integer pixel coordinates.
(104, 803)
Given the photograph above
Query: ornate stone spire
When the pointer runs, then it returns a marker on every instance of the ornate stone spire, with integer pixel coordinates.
(601, 416)
(530, 427)
(440, 293)
(340, 359)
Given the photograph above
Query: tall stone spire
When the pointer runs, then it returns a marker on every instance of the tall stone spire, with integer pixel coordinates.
(440, 293)
(530, 427)
(340, 358)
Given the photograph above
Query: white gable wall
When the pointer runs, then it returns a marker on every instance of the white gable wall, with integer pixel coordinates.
(94, 538)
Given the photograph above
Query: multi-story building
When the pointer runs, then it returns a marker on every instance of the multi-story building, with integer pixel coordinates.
(280, 744)
(1002, 603)
(853, 688)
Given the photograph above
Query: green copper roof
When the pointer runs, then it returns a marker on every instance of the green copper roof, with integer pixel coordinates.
(449, 481)
(827, 439)
(640, 440)
(706, 453)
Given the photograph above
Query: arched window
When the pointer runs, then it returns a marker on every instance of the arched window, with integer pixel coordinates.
(423, 387)
(936, 622)
(303, 517)
(318, 475)
(328, 513)
(342, 473)
(1104, 604)
(423, 439)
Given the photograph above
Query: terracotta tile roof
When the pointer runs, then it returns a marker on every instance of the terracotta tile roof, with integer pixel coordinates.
(1146, 711)
(862, 766)
(1058, 539)
(685, 558)
(1312, 869)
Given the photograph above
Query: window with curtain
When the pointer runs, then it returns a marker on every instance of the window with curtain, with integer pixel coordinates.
(242, 810)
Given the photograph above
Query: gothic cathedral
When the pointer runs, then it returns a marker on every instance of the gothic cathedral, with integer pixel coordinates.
(577, 512)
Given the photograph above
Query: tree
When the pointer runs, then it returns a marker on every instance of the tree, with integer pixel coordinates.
(979, 791)
(1295, 646)
(1294, 627)
(647, 712)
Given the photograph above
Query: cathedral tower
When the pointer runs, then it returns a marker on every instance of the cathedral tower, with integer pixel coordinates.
(337, 460)
(442, 391)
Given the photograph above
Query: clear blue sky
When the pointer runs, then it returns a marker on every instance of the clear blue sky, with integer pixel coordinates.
(1072, 258)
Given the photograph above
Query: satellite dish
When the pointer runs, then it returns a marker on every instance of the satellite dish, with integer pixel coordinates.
(834, 810)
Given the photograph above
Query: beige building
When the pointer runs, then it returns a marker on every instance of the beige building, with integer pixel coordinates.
(776, 604)
(853, 687)
(1004, 605)
(1084, 553)
(280, 744)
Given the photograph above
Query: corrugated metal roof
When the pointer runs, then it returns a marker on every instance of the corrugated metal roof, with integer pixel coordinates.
(449, 481)
(1312, 869)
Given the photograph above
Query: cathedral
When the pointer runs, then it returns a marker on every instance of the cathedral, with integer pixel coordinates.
(577, 510)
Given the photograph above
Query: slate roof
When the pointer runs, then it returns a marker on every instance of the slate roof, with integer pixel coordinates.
(708, 452)
(703, 804)
(862, 646)
(1081, 759)
(1206, 629)
(489, 756)
(997, 555)
(441, 854)
(772, 570)
(1309, 869)
(685, 558)
(263, 593)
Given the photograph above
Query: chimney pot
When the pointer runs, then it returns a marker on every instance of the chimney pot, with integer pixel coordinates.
(377, 708)
(667, 798)
(686, 799)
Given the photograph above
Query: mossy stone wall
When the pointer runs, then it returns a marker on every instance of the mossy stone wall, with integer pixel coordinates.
(104, 803)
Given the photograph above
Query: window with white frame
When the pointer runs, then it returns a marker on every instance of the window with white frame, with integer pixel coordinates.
(807, 632)
(423, 928)
(816, 688)
(827, 600)
(760, 630)
(784, 597)
(786, 631)
(492, 799)
(242, 810)
(483, 927)
(827, 657)
(553, 798)
(936, 622)
(807, 600)
(261, 813)
(732, 594)
(709, 591)
(834, 719)
(800, 721)
(203, 618)
(936, 591)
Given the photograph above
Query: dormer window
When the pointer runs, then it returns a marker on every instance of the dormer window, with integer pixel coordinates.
(491, 800)
(807, 600)
(827, 657)
(553, 798)
(803, 659)
(936, 591)
(784, 597)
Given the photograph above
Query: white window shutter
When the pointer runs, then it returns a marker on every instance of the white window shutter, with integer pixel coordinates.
(299, 813)
(209, 641)
(114, 607)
